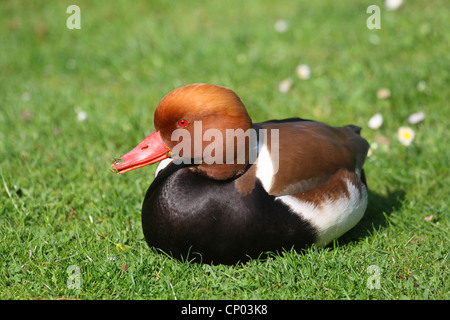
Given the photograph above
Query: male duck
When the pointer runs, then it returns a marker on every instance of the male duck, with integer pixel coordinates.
(305, 185)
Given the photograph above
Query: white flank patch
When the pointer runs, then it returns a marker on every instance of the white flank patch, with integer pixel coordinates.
(333, 218)
(265, 169)
(162, 165)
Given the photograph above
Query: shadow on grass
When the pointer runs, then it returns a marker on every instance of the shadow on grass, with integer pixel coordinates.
(378, 209)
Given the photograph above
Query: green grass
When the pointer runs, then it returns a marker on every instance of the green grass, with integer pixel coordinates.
(61, 206)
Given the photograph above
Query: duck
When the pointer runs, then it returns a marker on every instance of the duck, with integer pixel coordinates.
(228, 190)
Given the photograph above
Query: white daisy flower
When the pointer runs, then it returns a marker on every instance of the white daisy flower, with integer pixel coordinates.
(82, 116)
(376, 121)
(393, 4)
(416, 117)
(285, 86)
(281, 26)
(405, 135)
(303, 72)
(421, 86)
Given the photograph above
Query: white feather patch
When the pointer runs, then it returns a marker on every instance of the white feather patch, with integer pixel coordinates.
(265, 169)
(162, 165)
(334, 217)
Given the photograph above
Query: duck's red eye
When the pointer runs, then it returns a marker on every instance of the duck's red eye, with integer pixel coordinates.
(183, 123)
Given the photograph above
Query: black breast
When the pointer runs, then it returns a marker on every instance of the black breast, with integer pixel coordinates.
(191, 216)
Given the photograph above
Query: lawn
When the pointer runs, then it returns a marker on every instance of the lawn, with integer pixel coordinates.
(71, 100)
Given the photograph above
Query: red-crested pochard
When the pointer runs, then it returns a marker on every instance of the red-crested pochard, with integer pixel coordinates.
(270, 186)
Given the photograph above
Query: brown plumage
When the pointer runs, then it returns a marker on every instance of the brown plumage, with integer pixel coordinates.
(312, 152)
(216, 108)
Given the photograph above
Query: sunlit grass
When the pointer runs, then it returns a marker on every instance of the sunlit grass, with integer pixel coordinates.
(61, 206)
